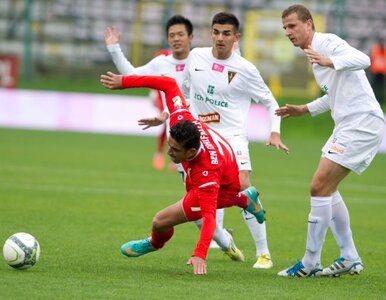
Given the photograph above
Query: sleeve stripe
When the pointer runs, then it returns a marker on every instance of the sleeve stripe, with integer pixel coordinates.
(207, 184)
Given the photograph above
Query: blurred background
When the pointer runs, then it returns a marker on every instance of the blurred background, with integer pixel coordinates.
(65, 38)
(59, 44)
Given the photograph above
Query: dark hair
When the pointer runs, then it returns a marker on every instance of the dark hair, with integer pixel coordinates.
(302, 12)
(178, 19)
(226, 18)
(186, 134)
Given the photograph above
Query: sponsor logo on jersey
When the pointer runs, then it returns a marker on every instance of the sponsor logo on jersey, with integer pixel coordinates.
(210, 100)
(217, 67)
(231, 75)
(180, 67)
(325, 88)
(197, 69)
(210, 89)
(212, 118)
(334, 149)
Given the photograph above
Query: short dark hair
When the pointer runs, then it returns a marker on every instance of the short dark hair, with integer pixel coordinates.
(178, 19)
(226, 18)
(186, 134)
(302, 12)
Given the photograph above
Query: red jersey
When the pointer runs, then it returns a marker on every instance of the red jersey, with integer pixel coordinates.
(212, 177)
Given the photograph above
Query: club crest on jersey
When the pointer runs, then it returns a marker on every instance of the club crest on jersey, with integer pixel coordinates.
(217, 67)
(177, 102)
(180, 67)
(231, 75)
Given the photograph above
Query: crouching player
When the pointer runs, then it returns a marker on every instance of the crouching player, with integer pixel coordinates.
(211, 169)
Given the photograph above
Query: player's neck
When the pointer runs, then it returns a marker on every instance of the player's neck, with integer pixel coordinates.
(221, 56)
(181, 56)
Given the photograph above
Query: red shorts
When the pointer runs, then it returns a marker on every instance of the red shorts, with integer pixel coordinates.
(191, 206)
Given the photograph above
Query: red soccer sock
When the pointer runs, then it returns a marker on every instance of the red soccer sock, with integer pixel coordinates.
(240, 200)
(159, 238)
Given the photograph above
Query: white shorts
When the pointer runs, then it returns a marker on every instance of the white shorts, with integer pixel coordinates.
(239, 145)
(354, 142)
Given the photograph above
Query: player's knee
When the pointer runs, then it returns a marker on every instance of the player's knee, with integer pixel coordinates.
(316, 188)
(158, 222)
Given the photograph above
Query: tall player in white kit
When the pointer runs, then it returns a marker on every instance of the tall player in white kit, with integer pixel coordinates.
(220, 85)
(179, 31)
(359, 125)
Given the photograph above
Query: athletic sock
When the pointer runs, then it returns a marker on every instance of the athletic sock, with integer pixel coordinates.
(159, 238)
(318, 223)
(220, 218)
(340, 227)
(219, 235)
(258, 232)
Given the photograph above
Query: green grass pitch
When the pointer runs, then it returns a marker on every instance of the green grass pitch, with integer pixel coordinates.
(83, 195)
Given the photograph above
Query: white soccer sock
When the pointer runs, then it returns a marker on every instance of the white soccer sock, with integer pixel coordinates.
(258, 232)
(340, 227)
(220, 218)
(220, 235)
(318, 223)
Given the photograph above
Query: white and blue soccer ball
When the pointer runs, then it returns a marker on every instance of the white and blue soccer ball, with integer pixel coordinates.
(21, 250)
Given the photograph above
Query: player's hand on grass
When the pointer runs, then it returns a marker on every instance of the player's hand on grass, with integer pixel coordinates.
(199, 265)
(111, 81)
(275, 141)
(290, 110)
(112, 36)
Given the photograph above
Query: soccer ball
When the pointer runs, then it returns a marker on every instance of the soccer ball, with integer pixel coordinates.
(21, 250)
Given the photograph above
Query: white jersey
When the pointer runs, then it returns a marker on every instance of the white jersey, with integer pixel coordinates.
(346, 87)
(220, 91)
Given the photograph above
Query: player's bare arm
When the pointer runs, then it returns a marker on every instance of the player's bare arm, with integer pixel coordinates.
(290, 110)
(112, 36)
(317, 58)
(199, 265)
(111, 81)
(152, 122)
(275, 141)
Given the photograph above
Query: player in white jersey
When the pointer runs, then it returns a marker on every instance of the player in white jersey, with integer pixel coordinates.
(179, 32)
(359, 125)
(221, 85)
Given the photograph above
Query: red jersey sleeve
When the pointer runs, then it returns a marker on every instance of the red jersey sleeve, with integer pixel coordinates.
(174, 98)
(207, 185)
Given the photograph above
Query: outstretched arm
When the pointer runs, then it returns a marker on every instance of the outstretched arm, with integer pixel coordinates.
(174, 98)
(112, 36)
(154, 121)
(290, 110)
(163, 83)
(111, 81)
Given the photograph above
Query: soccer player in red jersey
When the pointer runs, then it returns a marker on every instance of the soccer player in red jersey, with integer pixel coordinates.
(211, 174)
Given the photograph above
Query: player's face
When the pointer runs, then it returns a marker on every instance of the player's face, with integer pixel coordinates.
(176, 152)
(223, 37)
(179, 41)
(300, 33)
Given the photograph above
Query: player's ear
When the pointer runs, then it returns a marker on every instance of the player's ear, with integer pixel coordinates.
(191, 153)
